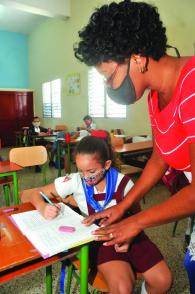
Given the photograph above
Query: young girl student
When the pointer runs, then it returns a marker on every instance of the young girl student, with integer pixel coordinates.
(96, 186)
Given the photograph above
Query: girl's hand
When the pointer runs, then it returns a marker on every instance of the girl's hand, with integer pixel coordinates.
(106, 217)
(49, 211)
(119, 233)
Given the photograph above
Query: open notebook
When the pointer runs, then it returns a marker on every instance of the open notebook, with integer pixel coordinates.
(45, 234)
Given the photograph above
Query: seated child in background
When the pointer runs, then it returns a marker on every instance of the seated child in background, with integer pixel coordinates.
(89, 124)
(99, 185)
(36, 128)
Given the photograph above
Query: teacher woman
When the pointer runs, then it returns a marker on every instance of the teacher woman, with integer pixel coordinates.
(127, 44)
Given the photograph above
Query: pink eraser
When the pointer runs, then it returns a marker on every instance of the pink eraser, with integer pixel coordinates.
(67, 229)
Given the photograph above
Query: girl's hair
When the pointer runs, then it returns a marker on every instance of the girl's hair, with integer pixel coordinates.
(99, 147)
(117, 30)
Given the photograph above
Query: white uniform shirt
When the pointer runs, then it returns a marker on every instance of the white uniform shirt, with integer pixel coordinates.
(72, 184)
(37, 129)
(92, 126)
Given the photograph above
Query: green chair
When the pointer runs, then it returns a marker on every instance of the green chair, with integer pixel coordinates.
(6, 183)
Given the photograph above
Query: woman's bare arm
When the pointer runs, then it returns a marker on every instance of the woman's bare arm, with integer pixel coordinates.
(180, 205)
(153, 171)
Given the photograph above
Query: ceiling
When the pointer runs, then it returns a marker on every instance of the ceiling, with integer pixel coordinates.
(14, 20)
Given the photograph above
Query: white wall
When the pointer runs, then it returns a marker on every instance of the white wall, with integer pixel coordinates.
(51, 56)
(42, 7)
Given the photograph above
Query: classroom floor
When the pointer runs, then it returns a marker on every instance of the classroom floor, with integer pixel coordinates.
(171, 247)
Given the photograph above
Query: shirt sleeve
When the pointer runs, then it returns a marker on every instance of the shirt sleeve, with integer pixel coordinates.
(187, 105)
(93, 126)
(65, 185)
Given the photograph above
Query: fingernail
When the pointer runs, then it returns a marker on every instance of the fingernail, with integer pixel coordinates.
(105, 243)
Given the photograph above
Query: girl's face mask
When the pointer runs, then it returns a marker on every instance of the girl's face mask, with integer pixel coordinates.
(95, 178)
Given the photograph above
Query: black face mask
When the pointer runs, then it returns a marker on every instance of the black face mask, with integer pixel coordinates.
(125, 93)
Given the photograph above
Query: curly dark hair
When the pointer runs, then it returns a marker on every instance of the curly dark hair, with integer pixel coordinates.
(118, 30)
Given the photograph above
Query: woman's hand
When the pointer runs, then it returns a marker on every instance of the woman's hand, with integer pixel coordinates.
(106, 217)
(49, 211)
(119, 233)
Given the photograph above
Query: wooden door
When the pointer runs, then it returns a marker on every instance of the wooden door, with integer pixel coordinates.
(16, 111)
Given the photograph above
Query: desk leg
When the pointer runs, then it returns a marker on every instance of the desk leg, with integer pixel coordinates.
(15, 186)
(58, 158)
(84, 269)
(49, 279)
(69, 161)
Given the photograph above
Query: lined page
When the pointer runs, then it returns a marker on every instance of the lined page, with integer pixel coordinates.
(45, 235)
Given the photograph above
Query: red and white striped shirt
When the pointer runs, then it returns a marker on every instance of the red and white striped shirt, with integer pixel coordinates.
(174, 126)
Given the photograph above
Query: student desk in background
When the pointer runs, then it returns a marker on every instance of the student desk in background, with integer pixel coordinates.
(131, 151)
(45, 137)
(62, 144)
(8, 168)
(18, 256)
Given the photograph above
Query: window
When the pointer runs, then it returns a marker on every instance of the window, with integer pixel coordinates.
(51, 92)
(99, 103)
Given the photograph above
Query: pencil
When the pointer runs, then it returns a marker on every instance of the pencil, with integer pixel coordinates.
(48, 200)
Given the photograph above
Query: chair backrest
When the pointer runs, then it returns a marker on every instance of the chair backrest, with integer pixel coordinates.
(60, 128)
(117, 141)
(28, 156)
(119, 132)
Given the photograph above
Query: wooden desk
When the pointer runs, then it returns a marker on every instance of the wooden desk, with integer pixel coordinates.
(41, 136)
(8, 168)
(131, 150)
(18, 256)
(134, 147)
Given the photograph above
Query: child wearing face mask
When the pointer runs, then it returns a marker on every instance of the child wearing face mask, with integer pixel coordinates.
(97, 185)
(36, 128)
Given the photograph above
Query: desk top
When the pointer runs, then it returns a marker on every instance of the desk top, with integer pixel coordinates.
(15, 249)
(131, 147)
(42, 135)
(17, 255)
(7, 166)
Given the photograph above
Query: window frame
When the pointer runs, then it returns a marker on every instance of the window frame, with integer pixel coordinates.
(92, 89)
(54, 108)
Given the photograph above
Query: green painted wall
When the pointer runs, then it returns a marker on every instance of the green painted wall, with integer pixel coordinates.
(51, 56)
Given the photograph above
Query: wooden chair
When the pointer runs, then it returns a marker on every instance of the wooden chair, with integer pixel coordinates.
(115, 141)
(118, 132)
(26, 157)
(61, 128)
